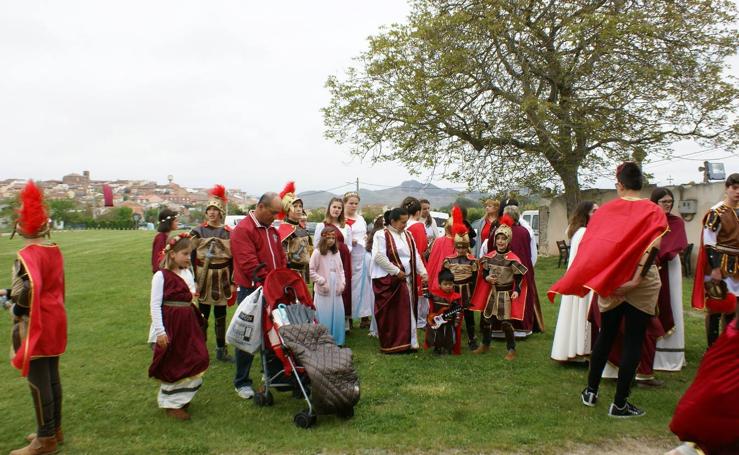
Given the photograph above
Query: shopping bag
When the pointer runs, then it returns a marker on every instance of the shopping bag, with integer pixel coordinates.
(245, 330)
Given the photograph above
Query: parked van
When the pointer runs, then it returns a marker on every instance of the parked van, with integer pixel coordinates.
(232, 220)
(532, 217)
(440, 218)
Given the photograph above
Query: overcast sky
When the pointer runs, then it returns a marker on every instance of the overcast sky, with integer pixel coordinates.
(216, 91)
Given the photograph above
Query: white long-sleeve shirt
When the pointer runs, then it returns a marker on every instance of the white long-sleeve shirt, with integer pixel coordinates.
(157, 292)
(381, 265)
(346, 231)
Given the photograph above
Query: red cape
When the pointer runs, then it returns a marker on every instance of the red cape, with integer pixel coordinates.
(451, 297)
(47, 325)
(418, 231)
(618, 235)
(442, 248)
(482, 291)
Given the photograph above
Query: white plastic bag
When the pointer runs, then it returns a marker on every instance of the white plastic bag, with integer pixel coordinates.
(245, 330)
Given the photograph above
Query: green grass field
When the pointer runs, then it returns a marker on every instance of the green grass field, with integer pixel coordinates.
(410, 403)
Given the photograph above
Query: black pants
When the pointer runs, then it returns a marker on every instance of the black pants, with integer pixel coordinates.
(713, 324)
(469, 322)
(46, 391)
(486, 329)
(635, 326)
(219, 311)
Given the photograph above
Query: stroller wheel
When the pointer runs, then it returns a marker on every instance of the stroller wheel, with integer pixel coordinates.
(346, 413)
(304, 419)
(262, 398)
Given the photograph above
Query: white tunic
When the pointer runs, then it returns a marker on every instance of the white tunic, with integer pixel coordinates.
(572, 335)
(362, 295)
(346, 231)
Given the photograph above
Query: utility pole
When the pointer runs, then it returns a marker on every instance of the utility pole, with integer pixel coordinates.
(357, 185)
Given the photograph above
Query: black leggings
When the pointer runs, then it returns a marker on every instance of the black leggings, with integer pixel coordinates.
(46, 391)
(219, 311)
(713, 323)
(469, 322)
(635, 326)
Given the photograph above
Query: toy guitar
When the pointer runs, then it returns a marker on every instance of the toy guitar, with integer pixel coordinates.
(446, 316)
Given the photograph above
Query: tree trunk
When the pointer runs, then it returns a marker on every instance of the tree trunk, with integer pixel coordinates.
(572, 189)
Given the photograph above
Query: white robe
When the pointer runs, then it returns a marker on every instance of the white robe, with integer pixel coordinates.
(363, 298)
(572, 335)
(670, 355)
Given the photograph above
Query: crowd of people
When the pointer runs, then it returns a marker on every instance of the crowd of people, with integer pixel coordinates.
(621, 306)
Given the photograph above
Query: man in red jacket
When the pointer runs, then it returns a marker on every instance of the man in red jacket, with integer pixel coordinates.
(256, 250)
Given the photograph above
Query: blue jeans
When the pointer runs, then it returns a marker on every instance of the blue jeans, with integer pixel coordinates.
(243, 359)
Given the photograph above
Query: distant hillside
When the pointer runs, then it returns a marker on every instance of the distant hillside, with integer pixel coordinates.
(438, 197)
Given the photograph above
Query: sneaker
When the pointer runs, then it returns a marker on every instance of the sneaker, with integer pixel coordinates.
(473, 344)
(245, 392)
(629, 410)
(589, 398)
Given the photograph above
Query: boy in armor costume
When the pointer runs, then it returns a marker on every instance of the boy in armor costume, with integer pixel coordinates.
(39, 331)
(717, 271)
(501, 290)
(444, 322)
(213, 265)
(463, 266)
(295, 238)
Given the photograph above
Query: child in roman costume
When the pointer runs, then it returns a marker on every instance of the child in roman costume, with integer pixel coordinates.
(444, 324)
(296, 241)
(463, 266)
(180, 355)
(213, 265)
(501, 290)
(327, 273)
(39, 320)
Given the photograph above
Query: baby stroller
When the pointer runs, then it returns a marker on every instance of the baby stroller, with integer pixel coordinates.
(296, 349)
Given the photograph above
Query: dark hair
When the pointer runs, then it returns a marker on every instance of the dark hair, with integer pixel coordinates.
(580, 217)
(323, 248)
(412, 205)
(506, 203)
(377, 225)
(341, 218)
(394, 215)
(425, 201)
(445, 275)
(733, 179)
(166, 217)
(630, 176)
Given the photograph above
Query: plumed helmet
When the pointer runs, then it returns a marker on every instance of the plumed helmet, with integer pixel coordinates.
(459, 229)
(218, 199)
(33, 219)
(288, 198)
(505, 228)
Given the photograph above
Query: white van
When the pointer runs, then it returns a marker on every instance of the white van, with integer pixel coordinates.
(440, 218)
(532, 217)
(232, 220)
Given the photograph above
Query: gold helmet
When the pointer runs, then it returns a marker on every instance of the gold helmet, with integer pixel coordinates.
(288, 198)
(505, 228)
(218, 199)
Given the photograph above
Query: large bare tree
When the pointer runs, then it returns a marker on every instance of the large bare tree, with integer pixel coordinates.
(539, 93)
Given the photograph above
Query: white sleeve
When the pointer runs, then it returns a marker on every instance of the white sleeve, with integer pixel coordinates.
(534, 251)
(155, 303)
(484, 248)
(709, 237)
(379, 254)
(317, 233)
(348, 237)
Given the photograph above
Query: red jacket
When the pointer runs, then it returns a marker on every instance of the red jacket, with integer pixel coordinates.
(252, 245)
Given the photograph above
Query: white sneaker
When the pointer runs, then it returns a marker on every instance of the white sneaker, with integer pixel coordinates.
(245, 392)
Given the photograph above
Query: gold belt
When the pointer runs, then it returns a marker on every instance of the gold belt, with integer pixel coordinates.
(176, 303)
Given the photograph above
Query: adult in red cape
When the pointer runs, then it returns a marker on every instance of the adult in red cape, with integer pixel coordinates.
(664, 342)
(39, 319)
(616, 260)
(708, 412)
(718, 260)
(501, 289)
(395, 265)
(335, 217)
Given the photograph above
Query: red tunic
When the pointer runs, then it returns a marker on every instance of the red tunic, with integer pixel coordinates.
(442, 248)
(47, 325)
(157, 248)
(186, 355)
